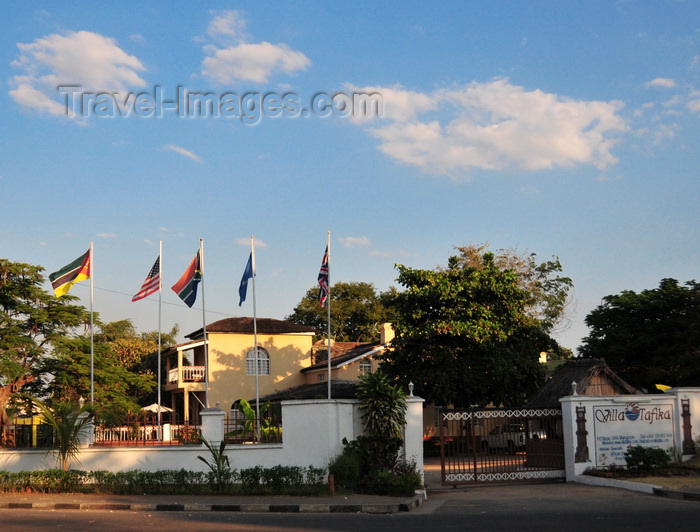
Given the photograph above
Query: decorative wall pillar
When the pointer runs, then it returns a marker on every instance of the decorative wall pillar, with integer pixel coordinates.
(581, 454)
(213, 425)
(413, 432)
(86, 436)
(688, 444)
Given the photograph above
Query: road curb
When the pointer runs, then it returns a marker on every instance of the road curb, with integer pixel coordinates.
(677, 494)
(374, 508)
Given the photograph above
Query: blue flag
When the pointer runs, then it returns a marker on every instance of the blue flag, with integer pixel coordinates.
(247, 274)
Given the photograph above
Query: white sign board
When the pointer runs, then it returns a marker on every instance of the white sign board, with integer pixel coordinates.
(618, 426)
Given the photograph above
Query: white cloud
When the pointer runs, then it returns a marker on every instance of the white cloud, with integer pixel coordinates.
(227, 26)
(665, 83)
(664, 132)
(354, 241)
(398, 104)
(494, 126)
(243, 60)
(694, 105)
(246, 242)
(184, 152)
(252, 62)
(91, 61)
(106, 235)
(138, 39)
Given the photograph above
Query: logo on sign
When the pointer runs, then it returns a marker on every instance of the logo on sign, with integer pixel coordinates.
(632, 411)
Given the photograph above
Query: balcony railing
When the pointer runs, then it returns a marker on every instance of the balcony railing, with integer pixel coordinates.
(189, 374)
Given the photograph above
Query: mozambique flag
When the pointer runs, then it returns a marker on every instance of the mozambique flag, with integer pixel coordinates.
(64, 279)
(186, 287)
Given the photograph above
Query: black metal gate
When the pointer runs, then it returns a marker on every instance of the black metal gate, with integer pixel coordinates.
(500, 445)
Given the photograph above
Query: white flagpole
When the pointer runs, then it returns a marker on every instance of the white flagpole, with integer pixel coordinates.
(204, 327)
(255, 339)
(92, 336)
(160, 304)
(328, 299)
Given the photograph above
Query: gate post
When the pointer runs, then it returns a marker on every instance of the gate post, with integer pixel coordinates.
(213, 425)
(413, 433)
(442, 444)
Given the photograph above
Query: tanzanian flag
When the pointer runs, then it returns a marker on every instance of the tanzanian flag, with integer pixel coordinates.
(64, 279)
(186, 287)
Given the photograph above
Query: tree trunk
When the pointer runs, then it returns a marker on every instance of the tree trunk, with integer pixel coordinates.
(7, 391)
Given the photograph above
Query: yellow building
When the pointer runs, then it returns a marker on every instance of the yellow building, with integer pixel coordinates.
(287, 360)
(284, 349)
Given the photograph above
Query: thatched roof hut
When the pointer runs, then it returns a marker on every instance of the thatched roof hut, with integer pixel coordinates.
(592, 377)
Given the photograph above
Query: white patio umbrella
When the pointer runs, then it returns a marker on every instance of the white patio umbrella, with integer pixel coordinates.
(154, 408)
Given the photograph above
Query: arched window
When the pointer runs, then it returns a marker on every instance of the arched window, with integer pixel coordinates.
(263, 362)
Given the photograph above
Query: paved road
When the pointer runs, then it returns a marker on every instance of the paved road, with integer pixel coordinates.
(539, 507)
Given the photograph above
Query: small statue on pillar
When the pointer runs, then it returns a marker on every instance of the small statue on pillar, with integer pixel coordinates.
(688, 444)
(581, 454)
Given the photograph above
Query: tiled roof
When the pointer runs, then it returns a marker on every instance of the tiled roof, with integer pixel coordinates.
(340, 389)
(341, 352)
(245, 326)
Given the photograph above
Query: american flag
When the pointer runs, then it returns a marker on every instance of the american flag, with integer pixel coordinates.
(152, 283)
(323, 279)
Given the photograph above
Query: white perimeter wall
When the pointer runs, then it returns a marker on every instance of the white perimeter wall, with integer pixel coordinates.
(312, 436)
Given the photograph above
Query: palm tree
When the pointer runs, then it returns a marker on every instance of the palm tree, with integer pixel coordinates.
(69, 422)
(383, 405)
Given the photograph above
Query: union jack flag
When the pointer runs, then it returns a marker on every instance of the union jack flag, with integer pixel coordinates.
(323, 279)
(152, 283)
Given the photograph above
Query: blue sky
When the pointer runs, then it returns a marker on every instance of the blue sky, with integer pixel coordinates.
(540, 126)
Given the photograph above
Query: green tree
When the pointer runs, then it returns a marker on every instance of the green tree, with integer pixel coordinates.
(651, 337)
(32, 321)
(547, 290)
(66, 376)
(356, 311)
(137, 352)
(464, 336)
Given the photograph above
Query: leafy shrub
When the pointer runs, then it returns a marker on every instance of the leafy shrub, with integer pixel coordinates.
(403, 479)
(375, 452)
(370, 465)
(315, 476)
(346, 471)
(645, 458)
(406, 479)
(293, 480)
(251, 479)
(45, 481)
(220, 474)
(190, 435)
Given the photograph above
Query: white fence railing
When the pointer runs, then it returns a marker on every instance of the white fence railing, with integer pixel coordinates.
(171, 434)
(189, 374)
